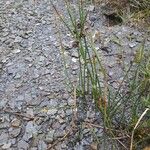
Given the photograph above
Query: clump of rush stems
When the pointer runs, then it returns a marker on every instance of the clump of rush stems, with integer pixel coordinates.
(126, 110)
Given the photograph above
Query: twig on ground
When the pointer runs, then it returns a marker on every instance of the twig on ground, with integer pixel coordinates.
(132, 136)
(122, 144)
(75, 104)
(19, 114)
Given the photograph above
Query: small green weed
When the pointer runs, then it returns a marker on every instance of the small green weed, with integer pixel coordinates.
(126, 110)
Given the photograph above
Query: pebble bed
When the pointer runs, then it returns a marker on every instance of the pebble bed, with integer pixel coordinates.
(36, 109)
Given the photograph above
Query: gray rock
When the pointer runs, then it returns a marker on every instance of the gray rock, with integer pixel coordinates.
(15, 122)
(24, 44)
(4, 125)
(92, 18)
(52, 111)
(16, 51)
(60, 119)
(63, 145)
(20, 98)
(133, 44)
(74, 59)
(3, 103)
(50, 136)
(30, 131)
(75, 54)
(78, 147)
(110, 73)
(36, 73)
(59, 133)
(11, 71)
(30, 112)
(23, 145)
(61, 113)
(18, 75)
(42, 145)
(69, 112)
(75, 67)
(3, 138)
(15, 132)
(56, 125)
(18, 39)
(53, 102)
(29, 59)
(90, 114)
(6, 146)
(12, 141)
(71, 101)
(91, 8)
(85, 131)
(41, 58)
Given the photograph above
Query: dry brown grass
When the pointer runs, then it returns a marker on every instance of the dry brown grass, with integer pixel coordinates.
(137, 11)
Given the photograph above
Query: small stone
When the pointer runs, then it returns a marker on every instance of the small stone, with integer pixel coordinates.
(36, 73)
(59, 133)
(53, 102)
(30, 131)
(131, 45)
(90, 114)
(60, 119)
(27, 136)
(58, 146)
(71, 101)
(30, 112)
(4, 59)
(23, 145)
(42, 145)
(110, 74)
(66, 45)
(85, 131)
(4, 125)
(18, 39)
(3, 138)
(17, 76)
(52, 111)
(62, 113)
(29, 59)
(31, 128)
(92, 18)
(50, 136)
(96, 36)
(56, 125)
(6, 146)
(12, 141)
(8, 3)
(1, 66)
(42, 58)
(20, 98)
(68, 112)
(75, 54)
(16, 51)
(63, 145)
(15, 122)
(65, 96)
(3, 103)
(74, 59)
(15, 132)
(91, 8)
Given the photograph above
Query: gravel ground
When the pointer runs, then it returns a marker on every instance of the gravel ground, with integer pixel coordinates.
(36, 110)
